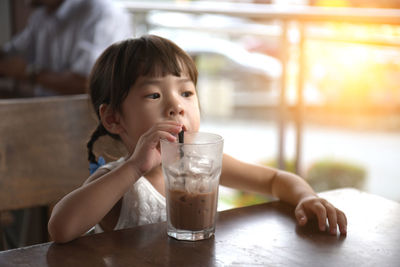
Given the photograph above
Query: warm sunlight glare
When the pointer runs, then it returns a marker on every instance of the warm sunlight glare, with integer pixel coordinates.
(354, 74)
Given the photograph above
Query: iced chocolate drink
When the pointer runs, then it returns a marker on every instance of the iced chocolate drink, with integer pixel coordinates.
(191, 171)
(192, 211)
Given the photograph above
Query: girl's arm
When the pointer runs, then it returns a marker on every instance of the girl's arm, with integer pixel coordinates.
(287, 187)
(86, 206)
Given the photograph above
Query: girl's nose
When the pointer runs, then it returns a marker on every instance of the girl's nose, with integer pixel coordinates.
(174, 108)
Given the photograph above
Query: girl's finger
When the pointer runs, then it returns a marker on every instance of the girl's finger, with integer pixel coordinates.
(155, 137)
(168, 132)
(167, 136)
(301, 215)
(332, 218)
(320, 211)
(167, 127)
(342, 222)
(168, 123)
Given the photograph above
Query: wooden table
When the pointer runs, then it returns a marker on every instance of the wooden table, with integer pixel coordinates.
(261, 235)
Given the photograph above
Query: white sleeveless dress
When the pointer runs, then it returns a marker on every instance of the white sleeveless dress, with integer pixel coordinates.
(141, 204)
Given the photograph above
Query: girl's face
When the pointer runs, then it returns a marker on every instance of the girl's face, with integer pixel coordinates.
(157, 99)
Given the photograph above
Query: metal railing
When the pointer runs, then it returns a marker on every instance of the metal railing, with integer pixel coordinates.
(303, 15)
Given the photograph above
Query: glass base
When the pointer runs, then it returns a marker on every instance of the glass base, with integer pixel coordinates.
(191, 235)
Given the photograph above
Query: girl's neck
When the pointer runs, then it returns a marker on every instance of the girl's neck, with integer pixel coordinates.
(154, 174)
(156, 178)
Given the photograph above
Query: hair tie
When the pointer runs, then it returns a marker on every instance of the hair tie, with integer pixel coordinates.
(94, 166)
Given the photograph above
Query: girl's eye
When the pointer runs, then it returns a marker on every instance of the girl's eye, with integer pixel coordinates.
(153, 96)
(187, 94)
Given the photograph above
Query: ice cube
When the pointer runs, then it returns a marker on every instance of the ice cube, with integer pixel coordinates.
(199, 165)
(191, 185)
(175, 176)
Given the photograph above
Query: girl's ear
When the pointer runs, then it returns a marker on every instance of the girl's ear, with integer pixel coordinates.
(110, 119)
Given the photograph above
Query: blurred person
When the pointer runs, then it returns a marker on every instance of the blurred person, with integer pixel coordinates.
(62, 40)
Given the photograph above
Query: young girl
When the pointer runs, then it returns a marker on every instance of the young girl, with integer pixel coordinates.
(144, 90)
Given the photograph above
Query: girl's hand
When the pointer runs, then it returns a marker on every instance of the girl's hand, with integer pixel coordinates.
(311, 207)
(147, 151)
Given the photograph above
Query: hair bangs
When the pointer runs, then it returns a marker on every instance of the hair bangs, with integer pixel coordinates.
(156, 57)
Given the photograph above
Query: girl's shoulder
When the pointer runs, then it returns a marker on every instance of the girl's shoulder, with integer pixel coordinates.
(106, 168)
(113, 164)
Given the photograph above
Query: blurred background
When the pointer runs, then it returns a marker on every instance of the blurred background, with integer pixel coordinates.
(343, 130)
(345, 134)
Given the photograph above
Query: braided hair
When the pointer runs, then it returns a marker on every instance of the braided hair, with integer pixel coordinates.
(122, 63)
(100, 131)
